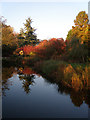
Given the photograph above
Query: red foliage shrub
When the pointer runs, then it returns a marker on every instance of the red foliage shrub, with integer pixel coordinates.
(27, 49)
(58, 44)
(46, 49)
(40, 49)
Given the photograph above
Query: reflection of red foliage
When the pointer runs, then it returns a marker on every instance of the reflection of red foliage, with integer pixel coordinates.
(28, 71)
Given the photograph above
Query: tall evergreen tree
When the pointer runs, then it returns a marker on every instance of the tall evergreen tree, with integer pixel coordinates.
(27, 35)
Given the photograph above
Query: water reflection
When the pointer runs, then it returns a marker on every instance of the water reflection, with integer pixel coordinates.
(6, 74)
(77, 97)
(27, 81)
(27, 76)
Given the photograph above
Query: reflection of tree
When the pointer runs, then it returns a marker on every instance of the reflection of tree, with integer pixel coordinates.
(62, 89)
(87, 98)
(77, 98)
(0, 84)
(27, 75)
(27, 81)
(6, 74)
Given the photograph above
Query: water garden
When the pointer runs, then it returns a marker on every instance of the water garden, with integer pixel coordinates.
(48, 78)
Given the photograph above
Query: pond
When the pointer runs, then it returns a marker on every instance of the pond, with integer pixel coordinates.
(27, 94)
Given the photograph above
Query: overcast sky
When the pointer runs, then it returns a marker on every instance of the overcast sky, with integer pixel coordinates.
(51, 19)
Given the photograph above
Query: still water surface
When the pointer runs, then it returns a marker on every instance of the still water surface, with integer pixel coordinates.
(29, 95)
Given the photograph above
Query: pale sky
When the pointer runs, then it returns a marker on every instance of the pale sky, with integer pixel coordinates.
(51, 19)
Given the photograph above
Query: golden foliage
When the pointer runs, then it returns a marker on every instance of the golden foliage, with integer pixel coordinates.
(76, 82)
(78, 78)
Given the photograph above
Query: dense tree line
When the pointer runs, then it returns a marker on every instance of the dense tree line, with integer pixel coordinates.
(74, 48)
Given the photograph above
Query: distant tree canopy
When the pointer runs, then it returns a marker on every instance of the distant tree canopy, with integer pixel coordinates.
(27, 35)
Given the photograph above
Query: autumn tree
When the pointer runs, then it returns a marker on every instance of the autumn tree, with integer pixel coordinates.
(80, 30)
(9, 39)
(78, 37)
(69, 35)
(27, 35)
